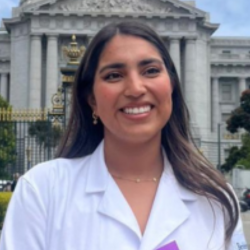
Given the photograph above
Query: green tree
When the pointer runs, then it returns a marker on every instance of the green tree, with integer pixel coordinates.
(245, 150)
(7, 141)
(240, 118)
(46, 135)
(238, 156)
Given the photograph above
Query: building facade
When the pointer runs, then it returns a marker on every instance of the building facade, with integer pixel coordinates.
(213, 71)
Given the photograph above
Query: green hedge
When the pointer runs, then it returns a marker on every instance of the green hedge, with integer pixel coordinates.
(4, 201)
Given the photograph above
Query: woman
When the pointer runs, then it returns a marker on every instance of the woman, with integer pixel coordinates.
(128, 176)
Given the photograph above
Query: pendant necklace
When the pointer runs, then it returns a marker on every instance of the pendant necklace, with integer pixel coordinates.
(136, 180)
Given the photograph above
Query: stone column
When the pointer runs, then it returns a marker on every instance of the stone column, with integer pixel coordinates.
(175, 53)
(51, 69)
(35, 72)
(242, 85)
(190, 88)
(215, 102)
(4, 85)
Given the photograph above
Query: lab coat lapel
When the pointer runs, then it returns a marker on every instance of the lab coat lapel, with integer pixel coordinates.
(114, 205)
(169, 210)
(112, 202)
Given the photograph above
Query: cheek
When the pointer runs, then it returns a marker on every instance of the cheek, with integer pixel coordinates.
(164, 92)
(105, 96)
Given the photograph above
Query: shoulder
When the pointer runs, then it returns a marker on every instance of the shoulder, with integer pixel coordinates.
(61, 177)
(48, 175)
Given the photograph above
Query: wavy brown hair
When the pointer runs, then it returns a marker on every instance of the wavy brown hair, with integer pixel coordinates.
(191, 169)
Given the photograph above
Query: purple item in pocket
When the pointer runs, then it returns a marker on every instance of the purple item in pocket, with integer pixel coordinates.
(170, 246)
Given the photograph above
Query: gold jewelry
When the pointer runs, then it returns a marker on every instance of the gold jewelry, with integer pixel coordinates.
(137, 180)
(95, 118)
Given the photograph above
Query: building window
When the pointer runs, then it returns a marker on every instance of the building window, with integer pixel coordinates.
(226, 153)
(226, 91)
(226, 52)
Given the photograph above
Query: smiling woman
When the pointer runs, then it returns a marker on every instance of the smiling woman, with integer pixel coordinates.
(132, 91)
(128, 176)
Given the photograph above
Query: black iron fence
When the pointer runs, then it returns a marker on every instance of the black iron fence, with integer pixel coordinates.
(28, 138)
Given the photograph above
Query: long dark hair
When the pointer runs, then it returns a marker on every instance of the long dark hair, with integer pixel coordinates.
(191, 169)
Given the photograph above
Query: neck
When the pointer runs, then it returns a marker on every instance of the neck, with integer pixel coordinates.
(142, 160)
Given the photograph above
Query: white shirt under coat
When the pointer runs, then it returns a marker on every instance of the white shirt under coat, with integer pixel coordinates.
(76, 205)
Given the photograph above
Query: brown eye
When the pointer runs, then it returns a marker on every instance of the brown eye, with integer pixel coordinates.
(112, 77)
(151, 72)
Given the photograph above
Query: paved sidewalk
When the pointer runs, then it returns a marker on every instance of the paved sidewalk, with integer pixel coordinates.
(246, 222)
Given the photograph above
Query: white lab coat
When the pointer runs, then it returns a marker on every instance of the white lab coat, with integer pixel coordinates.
(76, 205)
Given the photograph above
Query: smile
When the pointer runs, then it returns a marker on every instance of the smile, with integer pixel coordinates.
(137, 110)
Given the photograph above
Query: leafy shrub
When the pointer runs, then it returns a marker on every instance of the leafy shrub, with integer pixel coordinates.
(7, 140)
(4, 201)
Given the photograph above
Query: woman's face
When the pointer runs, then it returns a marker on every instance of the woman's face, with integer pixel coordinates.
(132, 90)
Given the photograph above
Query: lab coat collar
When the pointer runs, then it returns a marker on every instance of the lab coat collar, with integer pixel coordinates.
(183, 193)
(170, 209)
(97, 178)
(112, 204)
(98, 174)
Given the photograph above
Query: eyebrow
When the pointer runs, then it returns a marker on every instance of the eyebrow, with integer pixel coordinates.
(149, 61)
(123, 65)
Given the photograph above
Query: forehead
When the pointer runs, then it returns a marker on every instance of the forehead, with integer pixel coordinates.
(126, 48)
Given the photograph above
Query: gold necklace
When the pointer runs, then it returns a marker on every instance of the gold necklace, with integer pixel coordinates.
(137, 180)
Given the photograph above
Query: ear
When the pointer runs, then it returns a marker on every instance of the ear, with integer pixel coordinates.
(92, 102)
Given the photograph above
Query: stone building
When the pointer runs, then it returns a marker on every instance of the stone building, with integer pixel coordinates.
(213, 71)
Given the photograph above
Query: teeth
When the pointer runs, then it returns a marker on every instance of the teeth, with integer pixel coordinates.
(136, 111)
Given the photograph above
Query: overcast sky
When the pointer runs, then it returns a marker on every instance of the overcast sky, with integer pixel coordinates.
(232, 15)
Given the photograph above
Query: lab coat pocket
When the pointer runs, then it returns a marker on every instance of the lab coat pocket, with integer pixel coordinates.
(79, 230)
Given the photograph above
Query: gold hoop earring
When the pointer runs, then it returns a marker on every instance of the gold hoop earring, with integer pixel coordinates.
(95, 118)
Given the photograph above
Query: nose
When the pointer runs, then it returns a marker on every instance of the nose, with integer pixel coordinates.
(135, 86)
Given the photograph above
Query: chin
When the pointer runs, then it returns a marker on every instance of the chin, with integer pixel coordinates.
(134, 135)
(140, 137)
